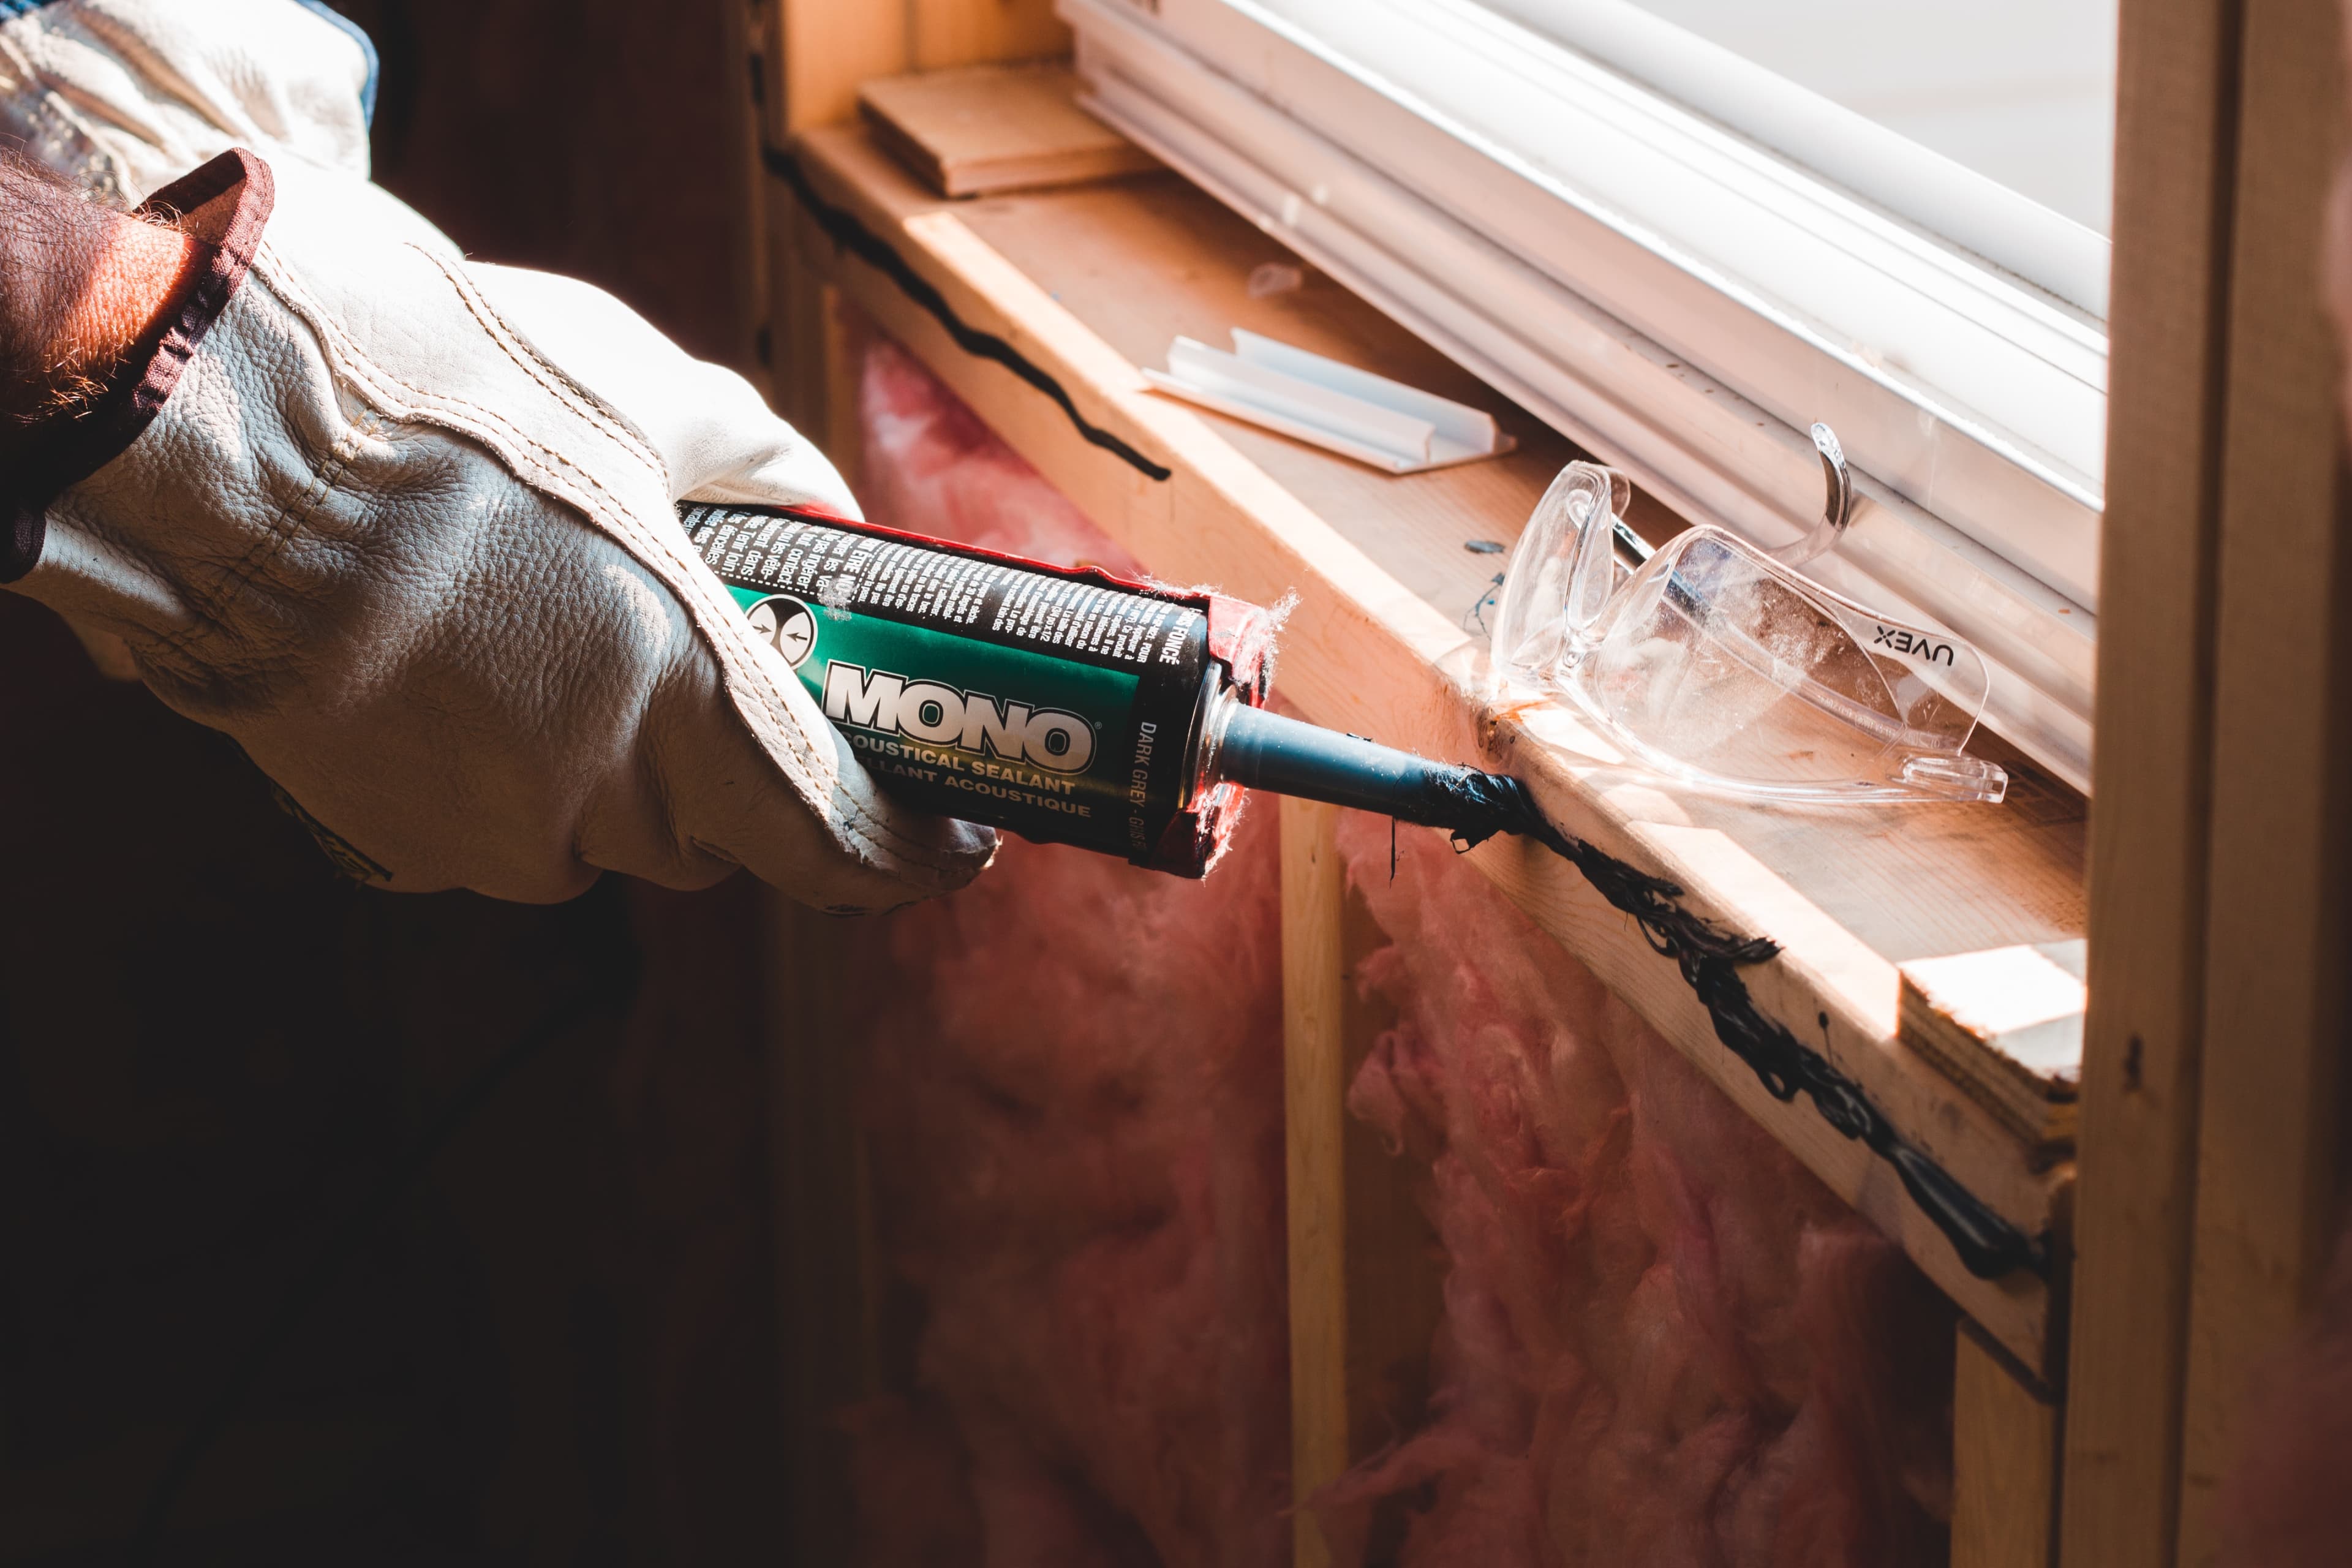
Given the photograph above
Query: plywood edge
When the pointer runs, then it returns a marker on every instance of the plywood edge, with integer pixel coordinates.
(985, 130)
(1363, 652)
(2007, 1025)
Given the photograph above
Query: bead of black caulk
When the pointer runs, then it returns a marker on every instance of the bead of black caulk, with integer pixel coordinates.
(1266, 751)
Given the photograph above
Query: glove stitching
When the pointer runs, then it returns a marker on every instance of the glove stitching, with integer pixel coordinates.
(871, 837)
(236, 580)
(551, 377)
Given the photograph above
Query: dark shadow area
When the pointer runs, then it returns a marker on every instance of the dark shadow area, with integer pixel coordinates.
(363, 1229)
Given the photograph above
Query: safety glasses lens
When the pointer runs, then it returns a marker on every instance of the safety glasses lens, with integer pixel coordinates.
(1718, 665)
(1562, 574)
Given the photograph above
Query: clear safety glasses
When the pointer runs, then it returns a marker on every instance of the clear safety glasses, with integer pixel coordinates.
(1713, 663)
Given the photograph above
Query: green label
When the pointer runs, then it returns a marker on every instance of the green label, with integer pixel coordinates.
(1061, 710)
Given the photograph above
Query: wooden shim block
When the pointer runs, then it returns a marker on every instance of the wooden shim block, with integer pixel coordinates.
(1314, 894)
(1364, 652)
(2004, 1462)
(2007, 1025)
(985, 129)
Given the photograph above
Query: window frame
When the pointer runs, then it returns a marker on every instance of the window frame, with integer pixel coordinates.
(1972, 210)
(1632, 341)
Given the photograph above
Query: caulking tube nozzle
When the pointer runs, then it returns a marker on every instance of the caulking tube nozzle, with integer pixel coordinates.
(1259, 750)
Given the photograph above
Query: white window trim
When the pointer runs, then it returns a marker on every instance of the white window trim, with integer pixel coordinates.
(1947, 197)
(1581, 315)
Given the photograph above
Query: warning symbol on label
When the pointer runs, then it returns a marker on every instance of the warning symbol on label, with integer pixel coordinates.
(786, 623)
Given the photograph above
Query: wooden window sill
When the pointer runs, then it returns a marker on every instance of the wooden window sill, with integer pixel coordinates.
(1085, 284)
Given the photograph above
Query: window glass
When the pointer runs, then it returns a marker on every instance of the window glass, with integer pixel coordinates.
(2022, 91)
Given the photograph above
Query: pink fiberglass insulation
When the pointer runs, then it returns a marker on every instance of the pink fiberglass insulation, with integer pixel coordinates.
(1663, 1342)
(1073, 1095)
(932, 466)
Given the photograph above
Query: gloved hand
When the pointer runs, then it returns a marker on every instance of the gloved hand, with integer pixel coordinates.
(123, 96)
(406, 528)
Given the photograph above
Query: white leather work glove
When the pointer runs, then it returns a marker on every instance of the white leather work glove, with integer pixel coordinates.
(123, 96)
(404, 527)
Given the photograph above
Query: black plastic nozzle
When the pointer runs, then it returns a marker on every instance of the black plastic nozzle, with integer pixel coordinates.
(1283, 756)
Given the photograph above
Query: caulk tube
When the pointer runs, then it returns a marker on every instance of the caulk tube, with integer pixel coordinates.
(1064, 705)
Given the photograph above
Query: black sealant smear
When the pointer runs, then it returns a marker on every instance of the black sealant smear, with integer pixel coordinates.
(1475, 806)
(844, 230)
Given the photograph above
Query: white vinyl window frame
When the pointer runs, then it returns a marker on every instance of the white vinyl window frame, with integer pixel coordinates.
(1677, 297)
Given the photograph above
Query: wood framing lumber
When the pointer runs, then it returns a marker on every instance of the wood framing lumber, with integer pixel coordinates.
(746, 23)
(822, 49)
(957, 32)
(979, 129)
(829, 1280)
(2007, 1025)
(844, 430)
(1366, 1284)
(1314, 895)
(1068, 292)
(2279, 887)
(2004, 1462)
(2178, 99)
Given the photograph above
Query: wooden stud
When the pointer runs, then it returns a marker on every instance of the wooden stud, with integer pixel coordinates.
(2268, 1130)
(2137, 1117)
(959, 32)
(1314, 894)
(2004, 1462)
(746, 23)
(794, 325)
(828, 1286)
(1365, 1274)
(825, 49)
(843, 429)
